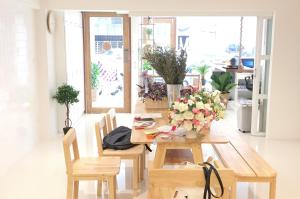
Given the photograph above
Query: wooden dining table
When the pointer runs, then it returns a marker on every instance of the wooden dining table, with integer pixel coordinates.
(138, 136)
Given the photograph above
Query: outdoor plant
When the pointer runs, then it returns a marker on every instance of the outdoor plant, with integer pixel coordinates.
(147, 65)
(167, 63)
(66, 95)
(95, 72)
(197, 111)
(222, 82)
(203, 70)
(154, 91)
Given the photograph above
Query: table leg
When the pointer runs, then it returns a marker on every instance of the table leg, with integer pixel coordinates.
(160, 155)
(197, 153)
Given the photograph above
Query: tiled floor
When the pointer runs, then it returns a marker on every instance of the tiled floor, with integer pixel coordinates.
(41, 173)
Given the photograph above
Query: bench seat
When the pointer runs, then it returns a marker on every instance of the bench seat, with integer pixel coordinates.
(247, 164)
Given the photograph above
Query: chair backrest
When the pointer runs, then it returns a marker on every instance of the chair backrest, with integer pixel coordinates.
(69, 140)
(163, 181)
(111, 119)
(100, 128)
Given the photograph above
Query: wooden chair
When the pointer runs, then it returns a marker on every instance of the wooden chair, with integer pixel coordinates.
(102, 168)
(135, 153)
(164, 182)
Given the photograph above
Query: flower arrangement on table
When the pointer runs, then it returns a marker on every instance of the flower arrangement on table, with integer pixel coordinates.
(196, 112)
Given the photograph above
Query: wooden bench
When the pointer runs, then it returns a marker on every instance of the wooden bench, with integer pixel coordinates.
(163, 183)
(247, 164)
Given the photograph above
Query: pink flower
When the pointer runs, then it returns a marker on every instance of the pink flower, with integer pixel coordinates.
(196, 122)
(195, 110)
(206, 113)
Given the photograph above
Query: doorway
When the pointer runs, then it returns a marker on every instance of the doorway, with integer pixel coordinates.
(107, 62)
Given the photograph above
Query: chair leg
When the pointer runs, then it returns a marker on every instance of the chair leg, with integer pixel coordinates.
(99, 188)
(76, 188)
(70, 188)
(272, 189)
(135, 173)
(112, 187)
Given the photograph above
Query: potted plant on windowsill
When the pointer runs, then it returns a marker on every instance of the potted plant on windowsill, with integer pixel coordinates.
(154, 95)
(67, 96)
(223, 83)
(170, 66)
(95, 72)
(203, 70)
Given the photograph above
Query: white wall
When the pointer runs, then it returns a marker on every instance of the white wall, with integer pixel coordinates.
(284, 105)
(19, 91)
(74, 59)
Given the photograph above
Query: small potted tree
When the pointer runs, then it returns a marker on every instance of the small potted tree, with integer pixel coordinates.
(223, 83)
(203, 70)
(67, 96)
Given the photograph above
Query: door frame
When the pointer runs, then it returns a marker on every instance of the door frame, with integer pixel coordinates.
(87, 61)
(257, 97)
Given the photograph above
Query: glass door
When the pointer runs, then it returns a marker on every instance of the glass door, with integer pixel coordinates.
(107, 62)
(261, 76)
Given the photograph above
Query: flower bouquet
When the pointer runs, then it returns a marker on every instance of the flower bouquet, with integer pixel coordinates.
(196, 112)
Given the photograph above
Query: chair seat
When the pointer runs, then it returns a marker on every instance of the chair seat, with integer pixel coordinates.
(91, 167)
(136, 150)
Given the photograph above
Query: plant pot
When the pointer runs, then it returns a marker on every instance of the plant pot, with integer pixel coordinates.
(203, 82)
(156, 104)
(224, 98)
(191, 134)
(66, 129)
(173, 91)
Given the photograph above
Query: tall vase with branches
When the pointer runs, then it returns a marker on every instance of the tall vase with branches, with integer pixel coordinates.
(66, 95)
(171, 66)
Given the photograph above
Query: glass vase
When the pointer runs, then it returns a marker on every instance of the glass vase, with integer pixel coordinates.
(191, 134)
(173, 92)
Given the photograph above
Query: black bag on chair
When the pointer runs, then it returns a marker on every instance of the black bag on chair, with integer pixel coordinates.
(208, 169)
(118, 139)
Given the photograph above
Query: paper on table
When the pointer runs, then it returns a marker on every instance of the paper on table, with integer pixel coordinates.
(166, 128)
(149, 115)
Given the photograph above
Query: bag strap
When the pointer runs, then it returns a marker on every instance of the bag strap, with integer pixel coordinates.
(208, 169)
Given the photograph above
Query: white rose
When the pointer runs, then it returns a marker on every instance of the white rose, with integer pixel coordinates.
(200, 105)
(188, 115)
(183, 107)
(190, 102)
(207, 106)
(178, 117)
(188, 125)
(199, 116)
(176, 105)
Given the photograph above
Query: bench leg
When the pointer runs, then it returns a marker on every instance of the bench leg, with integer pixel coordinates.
(233, 191)
(272, 189)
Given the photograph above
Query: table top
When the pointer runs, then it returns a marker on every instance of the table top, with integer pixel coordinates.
(139, 137)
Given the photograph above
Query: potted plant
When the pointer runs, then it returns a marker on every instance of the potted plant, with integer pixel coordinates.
(223, 83)
(67, 96)
(154, 95)
(148, 32)
(170, 66)
(95, 72)
(203, 70)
